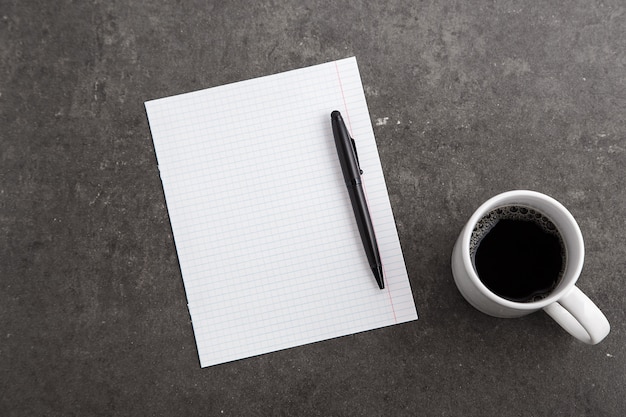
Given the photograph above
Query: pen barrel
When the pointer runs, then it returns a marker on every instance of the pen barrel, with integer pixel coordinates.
(364, 223)
(345, 150)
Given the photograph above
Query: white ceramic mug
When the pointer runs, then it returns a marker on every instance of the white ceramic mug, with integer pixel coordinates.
(566, 304)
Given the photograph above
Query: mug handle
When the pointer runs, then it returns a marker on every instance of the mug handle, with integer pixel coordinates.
(579, 316)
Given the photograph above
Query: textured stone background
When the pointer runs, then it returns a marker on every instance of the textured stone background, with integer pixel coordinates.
(467, 98)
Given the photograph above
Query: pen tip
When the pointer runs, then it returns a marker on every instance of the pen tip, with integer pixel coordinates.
(378, 274)
(335, 114)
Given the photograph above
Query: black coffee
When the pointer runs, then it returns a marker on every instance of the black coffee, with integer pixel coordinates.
(518, 253)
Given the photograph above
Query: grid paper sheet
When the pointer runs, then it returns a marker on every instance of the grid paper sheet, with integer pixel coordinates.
(267, 242)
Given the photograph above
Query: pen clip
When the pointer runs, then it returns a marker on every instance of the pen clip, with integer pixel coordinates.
(356, 155)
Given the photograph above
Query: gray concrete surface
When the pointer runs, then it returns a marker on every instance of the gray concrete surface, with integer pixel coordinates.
(467, 98)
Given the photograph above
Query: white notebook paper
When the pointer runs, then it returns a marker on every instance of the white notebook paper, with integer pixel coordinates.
(267, 242)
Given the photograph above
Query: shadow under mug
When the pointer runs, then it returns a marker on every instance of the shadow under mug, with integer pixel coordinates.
(566, 304)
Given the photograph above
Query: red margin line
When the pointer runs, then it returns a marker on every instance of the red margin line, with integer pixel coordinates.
(345, 105)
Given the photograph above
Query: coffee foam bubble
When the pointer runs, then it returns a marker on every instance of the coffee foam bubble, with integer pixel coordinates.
(513, 212)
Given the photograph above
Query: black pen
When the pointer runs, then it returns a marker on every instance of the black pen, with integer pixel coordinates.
(346, 150)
